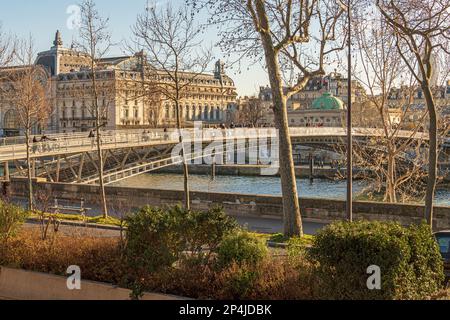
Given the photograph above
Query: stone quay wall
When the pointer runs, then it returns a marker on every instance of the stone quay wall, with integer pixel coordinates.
(251, 171)
(319, 210)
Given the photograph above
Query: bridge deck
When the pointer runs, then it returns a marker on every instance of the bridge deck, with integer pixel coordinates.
(65, 144)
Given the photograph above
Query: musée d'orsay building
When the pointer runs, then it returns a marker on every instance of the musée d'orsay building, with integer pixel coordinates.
(126, 94)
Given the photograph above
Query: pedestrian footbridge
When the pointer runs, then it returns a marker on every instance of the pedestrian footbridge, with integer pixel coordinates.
(73, 157)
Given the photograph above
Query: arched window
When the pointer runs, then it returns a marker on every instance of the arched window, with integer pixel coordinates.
(167, 112)
(218, 114)
(188, 113)
(11, 120)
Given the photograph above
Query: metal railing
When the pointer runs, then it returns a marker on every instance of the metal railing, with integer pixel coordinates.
(15, 148)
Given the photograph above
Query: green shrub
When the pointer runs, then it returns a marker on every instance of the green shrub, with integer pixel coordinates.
(100, 260)
(11, 218)
(157, 238)
(297, 248)
(242, 248)
(152, 238)
(206, 229)
(409, 259)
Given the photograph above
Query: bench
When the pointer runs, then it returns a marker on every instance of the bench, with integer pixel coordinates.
(69, 209)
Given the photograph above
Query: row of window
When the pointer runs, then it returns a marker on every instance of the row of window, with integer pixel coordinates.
(165, 78)
(84, 76)
(83, 104)
(319, 120)
(195, 114)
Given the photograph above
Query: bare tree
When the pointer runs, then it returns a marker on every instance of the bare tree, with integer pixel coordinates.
(7, 48)
(170, 38)
(95, 42)
(139, 83)
(250, 112)
(298, 38)
(30, 96)
(394, 164)
(422, 32)
(154, 108)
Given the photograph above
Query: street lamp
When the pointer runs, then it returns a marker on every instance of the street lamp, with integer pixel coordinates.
(347, 8)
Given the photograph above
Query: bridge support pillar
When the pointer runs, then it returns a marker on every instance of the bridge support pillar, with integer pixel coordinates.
(311, 168)
(6, 176)
(213, 171)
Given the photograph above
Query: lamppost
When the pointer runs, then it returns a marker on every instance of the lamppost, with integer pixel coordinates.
(347, 8)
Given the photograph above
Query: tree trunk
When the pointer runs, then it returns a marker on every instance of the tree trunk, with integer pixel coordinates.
(390, 181)
(187, 200)
(99, 143)
(29, 173)
(432, 157)
(100, 168)
(291, 207)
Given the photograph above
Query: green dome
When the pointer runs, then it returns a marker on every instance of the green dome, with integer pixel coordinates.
(328, 102)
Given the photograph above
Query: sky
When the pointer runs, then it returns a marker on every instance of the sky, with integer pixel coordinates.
(42, 18)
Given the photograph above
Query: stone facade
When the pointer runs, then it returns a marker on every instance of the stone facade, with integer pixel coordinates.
(122, 97)
(301, 111)
(10, 122)
(407, 111)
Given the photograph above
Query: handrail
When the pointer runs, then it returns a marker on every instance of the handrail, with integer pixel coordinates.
(69, 144)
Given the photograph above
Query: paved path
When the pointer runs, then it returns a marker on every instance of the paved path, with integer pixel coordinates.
(255, 224)
(268, 225)
(81, 231)
(260, 225)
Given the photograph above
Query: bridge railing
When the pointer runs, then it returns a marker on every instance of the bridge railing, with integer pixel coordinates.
(69, 144)
(72, 143)
(15, 148)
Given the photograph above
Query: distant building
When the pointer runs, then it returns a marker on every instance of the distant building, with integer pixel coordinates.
(10, 122)
(212, 98)
(305, 107)
(325, 111)
(333, 83)
(408, 106)
(249, 112)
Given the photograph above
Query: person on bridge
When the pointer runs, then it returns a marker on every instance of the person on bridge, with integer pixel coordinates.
(45, 138)
(146, 135)
(35, 144)
(45, 145)
(92, 137)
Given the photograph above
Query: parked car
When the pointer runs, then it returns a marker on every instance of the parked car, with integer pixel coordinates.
(443, 238)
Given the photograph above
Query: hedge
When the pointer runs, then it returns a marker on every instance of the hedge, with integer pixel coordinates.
(409, 260)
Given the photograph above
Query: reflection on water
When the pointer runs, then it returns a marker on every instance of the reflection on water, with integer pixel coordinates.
(253, 185)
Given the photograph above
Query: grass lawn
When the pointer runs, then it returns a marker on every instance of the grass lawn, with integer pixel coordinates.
(100, 220)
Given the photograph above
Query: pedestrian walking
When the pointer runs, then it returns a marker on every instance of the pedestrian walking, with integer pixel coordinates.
(35, 144)
(92, 137)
